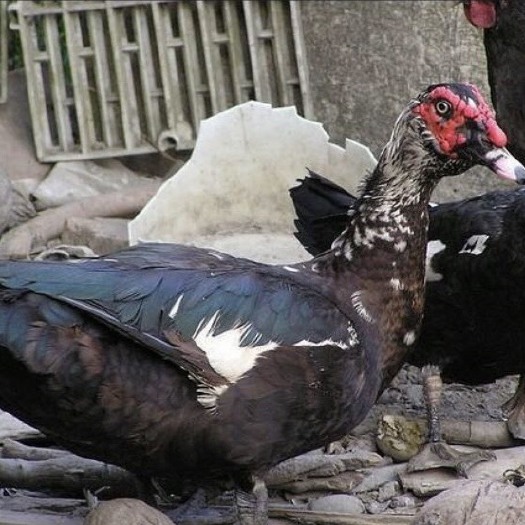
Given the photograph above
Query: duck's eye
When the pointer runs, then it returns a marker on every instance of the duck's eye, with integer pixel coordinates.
(443, 108)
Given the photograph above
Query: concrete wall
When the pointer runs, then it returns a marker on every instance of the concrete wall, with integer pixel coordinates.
(366, 59)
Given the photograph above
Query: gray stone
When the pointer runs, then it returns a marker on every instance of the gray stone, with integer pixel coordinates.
(102, 235)
(388, 491)
(475, 502)
(77, 179)
(61, 252)
(376, 507)
(16, 206)
(338, 503)
(378, 476)
(404, 500)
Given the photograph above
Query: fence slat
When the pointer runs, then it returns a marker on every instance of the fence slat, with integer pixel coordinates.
(168, 74)
(301, 59)
(126, 91)
(148, 85)
(3, 52)
(108, 102)
(84, 113)
(213, 88)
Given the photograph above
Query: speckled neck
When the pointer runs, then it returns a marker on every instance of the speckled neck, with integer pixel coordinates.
(389, 221)
(384, 244)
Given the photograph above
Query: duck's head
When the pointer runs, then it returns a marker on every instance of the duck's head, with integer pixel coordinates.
(457, 129)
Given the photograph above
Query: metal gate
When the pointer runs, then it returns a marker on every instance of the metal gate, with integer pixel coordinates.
(116, 77)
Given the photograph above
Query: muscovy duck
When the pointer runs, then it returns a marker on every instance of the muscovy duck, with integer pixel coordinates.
(503, 22)
(171, 360)
(472, 329)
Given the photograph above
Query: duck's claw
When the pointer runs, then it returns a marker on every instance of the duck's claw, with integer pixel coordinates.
(442, 455)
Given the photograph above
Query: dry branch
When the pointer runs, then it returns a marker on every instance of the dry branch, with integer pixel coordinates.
(12, 428)
(343, 482)
(335, 518)
(68, 473)
(401, 438)
(36, 502)
(14, 450)
(18, 242)
(8, 517)
(320, 465)
(484, 434)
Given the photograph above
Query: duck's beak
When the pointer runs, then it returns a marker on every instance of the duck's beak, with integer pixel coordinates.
(505, 165)
(486, 144)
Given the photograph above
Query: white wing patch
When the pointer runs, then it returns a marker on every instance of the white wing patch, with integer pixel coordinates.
(231, 360)
(475, 245)
(396, 284)
(409, 338)
(331, 342)
(207, 396)
(224, 351)
(353, 339)
(433, 248)
(176, 306)
(358, 305)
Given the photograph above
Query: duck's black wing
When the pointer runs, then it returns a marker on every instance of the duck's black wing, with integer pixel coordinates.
(322, 209)
(475, 301)
(153, 289)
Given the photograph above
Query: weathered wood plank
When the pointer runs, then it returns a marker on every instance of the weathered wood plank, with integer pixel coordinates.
(336, 518)
(9, 517)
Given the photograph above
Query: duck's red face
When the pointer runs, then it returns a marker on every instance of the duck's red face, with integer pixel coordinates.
(451, 117)
(480, 13)
(460, 125)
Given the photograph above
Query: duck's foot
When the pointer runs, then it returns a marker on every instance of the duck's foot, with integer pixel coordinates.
(197, 511)
(515, 410)
(442, 455)
(253, 508)
(432, 389)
